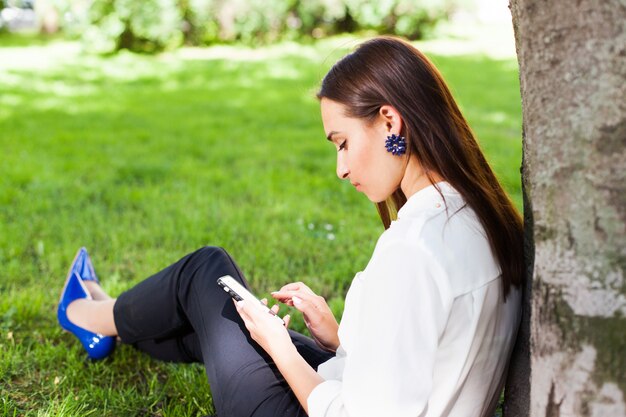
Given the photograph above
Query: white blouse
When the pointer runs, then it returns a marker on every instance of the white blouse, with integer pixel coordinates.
(425, 329)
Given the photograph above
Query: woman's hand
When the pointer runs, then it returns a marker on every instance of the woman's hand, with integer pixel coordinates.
(272, 336)
(317, 315)
(268, 332)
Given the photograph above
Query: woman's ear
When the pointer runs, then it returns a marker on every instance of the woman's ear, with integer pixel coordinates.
(391, 117)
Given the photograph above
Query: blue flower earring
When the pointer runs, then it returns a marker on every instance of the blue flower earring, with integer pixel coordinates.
(396, 144)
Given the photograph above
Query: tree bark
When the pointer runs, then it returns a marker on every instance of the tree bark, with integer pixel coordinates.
(571, 359)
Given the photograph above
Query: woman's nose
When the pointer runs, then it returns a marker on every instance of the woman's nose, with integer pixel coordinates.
(342, 167)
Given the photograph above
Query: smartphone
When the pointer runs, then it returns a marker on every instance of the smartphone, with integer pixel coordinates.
(239, 292)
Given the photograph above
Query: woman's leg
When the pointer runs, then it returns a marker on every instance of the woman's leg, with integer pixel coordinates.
(96, 315)
(181, 313)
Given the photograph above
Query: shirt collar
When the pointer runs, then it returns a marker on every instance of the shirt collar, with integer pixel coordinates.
(428, 199)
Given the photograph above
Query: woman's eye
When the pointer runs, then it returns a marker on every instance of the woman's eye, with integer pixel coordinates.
(343, 145)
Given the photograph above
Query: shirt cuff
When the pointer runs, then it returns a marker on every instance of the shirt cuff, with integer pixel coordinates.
(322, 396)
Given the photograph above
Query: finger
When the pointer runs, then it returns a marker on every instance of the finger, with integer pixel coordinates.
(296, 286)
(287, 320)
(247, 309)
(254, 312)
(282, 297)
(283, 292)
(297, 301)
(239, 305)
(264, 301)
(303, 301)
(275, 308)
(290, 286)
(304, 305)
(286, 295)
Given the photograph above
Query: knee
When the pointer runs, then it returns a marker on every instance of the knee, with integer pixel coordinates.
(211, 254)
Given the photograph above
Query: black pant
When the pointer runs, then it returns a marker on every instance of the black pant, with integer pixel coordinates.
(180, 314)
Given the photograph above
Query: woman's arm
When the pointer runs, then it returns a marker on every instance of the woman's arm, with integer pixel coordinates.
(392, 337)
(275, 340)
(300, 376)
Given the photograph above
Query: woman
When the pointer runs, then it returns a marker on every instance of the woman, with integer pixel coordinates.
(428, 325)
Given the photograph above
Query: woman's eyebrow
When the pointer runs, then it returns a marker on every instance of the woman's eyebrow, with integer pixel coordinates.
(330, 135)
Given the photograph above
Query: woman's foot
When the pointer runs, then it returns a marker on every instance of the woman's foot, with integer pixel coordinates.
(93, 315)
(95, 311)
(86, 323)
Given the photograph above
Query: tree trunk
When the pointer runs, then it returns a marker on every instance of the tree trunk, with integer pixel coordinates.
(572, 60)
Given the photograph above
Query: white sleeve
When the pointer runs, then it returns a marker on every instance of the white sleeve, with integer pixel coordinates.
(389, 368)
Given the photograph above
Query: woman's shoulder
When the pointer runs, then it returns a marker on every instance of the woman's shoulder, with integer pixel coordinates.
(424, 215)
(445, 233)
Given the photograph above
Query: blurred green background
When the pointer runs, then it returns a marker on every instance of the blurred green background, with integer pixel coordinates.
(152, 25)
(143, 158)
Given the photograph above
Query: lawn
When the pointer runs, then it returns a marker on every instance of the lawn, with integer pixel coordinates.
(143, 159)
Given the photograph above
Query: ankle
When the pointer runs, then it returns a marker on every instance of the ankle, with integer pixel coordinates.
(93, 315)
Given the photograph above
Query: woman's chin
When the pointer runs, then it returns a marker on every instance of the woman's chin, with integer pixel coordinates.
(375, 198)
(378, 197)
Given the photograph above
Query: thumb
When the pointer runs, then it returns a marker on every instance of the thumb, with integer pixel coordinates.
(297, 301)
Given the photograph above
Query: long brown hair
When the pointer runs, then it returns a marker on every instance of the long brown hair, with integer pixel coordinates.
(387, 70)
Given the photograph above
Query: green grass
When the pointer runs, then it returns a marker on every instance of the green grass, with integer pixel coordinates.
(144, 159)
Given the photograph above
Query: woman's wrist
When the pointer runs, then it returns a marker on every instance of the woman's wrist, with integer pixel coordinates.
(331, 343)
(300, 376)
(285, 357)
(328, 346)
(280, 352)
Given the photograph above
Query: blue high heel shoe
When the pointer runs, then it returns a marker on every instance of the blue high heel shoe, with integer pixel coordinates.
(97, 346)
(83, 267)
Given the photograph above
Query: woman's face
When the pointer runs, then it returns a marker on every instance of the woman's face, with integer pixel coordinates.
(361, 154)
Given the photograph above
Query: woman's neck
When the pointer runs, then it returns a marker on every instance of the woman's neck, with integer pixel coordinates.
(415, 178)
